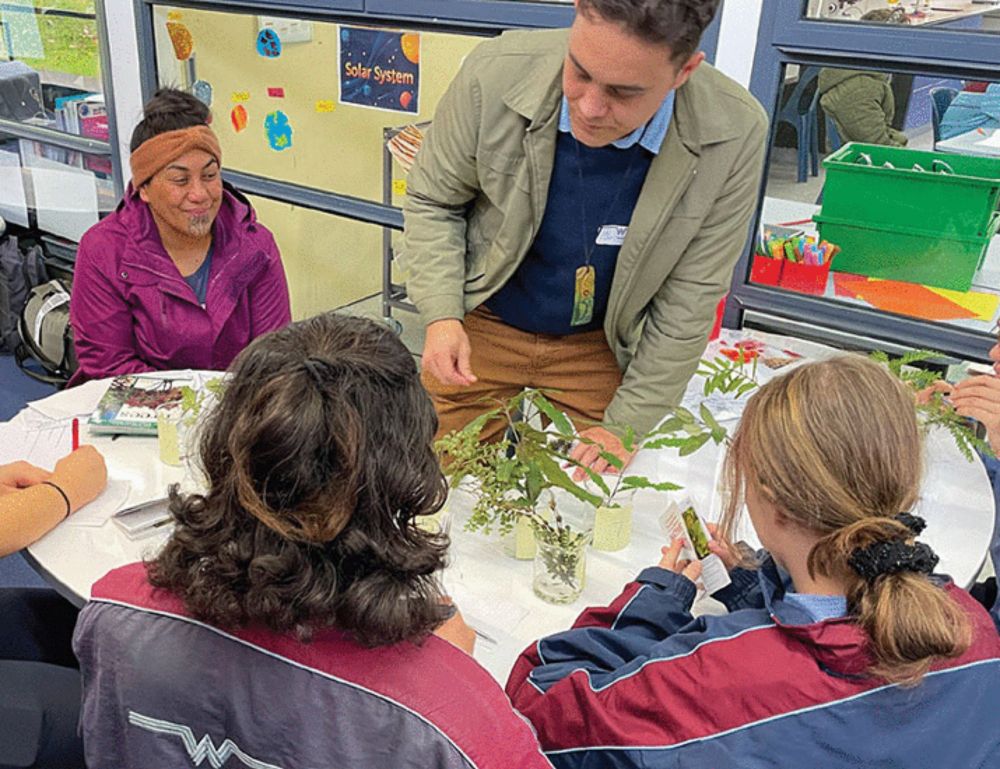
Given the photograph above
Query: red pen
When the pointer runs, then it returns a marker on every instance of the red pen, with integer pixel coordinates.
(76, 433)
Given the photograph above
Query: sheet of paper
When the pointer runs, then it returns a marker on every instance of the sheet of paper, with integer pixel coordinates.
(75, 402)
(993, 140)
(47, 443)
(13, 202)
(65, 198)
(96, 513)
(487, 616)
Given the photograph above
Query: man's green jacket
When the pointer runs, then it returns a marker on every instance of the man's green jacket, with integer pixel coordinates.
(477, 191)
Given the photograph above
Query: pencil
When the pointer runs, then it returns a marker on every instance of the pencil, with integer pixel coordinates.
(76, 433)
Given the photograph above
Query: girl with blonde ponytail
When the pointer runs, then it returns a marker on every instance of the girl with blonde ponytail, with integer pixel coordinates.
(841, 648)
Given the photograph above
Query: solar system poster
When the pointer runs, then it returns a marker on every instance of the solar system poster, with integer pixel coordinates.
(379, 69)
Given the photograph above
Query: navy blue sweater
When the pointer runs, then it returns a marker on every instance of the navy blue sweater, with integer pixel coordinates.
(539, 296)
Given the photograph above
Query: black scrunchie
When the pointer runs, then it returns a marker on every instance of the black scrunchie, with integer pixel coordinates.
(914, 523)
(881, 558)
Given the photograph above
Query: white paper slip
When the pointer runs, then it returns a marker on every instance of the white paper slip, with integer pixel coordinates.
(488, 616)
(104, 507)
(683, 522)
(75, 402)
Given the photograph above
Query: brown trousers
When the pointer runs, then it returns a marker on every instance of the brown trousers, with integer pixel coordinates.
(579, 369)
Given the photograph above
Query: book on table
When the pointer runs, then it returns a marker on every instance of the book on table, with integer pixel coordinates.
(129, 405)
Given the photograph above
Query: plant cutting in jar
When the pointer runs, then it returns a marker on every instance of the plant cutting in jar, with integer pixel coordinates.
(510, 475)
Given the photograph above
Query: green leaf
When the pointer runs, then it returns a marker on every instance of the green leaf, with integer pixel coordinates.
(707, 417)
(695, 443)
(558, 419)
(629, 439)
(641, 482)
(475, 427)
(556, 476)
(612, 460)
(534, 482)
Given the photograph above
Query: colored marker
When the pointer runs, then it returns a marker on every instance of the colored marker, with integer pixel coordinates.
(76, 433)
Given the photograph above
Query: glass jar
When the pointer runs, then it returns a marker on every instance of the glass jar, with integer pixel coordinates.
(561, 567)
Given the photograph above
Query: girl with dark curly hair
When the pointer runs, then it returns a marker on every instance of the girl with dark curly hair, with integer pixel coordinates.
(294, 618)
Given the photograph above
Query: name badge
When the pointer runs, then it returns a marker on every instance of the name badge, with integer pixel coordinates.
(612, 234)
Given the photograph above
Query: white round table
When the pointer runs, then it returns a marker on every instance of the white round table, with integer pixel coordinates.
(493, 590)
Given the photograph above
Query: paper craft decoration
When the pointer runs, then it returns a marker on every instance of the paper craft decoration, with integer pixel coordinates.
(181, 39)
(268, 43)
(902, 298)
(984, 306)
(239, 118)
(276, 93)
(324, 105)
(279, 130)
(202, 91)
(379, 69)
(239, 96)
(405, 145)
(289, 30)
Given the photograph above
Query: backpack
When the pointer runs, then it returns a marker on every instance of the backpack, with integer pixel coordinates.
(19, 272)
(46, 335)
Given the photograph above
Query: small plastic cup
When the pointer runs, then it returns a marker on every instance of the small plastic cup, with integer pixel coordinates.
(168, 422)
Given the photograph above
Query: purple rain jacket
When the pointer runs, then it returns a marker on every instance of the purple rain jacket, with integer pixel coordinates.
(132, 311)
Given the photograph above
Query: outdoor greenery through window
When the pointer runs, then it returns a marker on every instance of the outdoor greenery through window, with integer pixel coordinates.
(50, 65)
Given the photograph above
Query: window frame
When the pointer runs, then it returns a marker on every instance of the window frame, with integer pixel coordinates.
(785, 37)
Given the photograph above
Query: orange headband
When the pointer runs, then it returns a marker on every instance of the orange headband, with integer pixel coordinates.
(163, 149)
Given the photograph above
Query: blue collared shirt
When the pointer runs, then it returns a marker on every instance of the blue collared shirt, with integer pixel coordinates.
(650, 135)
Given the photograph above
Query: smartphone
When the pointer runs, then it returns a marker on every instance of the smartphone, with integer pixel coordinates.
(144, 521)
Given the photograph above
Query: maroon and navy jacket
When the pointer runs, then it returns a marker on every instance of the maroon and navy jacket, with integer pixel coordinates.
(641, 683)
(132, 311)
(161, 689)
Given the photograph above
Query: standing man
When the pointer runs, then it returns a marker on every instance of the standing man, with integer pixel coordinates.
(574, 216)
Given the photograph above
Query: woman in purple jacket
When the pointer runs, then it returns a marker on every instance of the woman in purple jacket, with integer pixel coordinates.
(181, 275)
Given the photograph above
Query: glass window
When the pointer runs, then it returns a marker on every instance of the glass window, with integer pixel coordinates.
(897, 176)
(306, 101)
(52, 77)
(58, 191)
(982, 16)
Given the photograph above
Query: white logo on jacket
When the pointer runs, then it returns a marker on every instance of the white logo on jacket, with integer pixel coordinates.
(201, 749)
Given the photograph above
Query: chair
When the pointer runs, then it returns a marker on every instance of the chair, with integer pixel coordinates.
(941, 98)
(799, 111)
(833, 135)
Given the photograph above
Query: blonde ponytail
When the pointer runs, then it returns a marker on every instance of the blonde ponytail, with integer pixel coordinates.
(910, 621)
(835, 447)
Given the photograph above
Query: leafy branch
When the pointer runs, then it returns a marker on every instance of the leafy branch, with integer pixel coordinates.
(936, 411)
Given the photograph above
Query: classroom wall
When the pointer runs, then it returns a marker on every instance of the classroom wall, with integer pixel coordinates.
(330, 261)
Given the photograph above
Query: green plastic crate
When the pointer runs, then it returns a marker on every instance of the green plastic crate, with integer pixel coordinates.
(930, 226)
